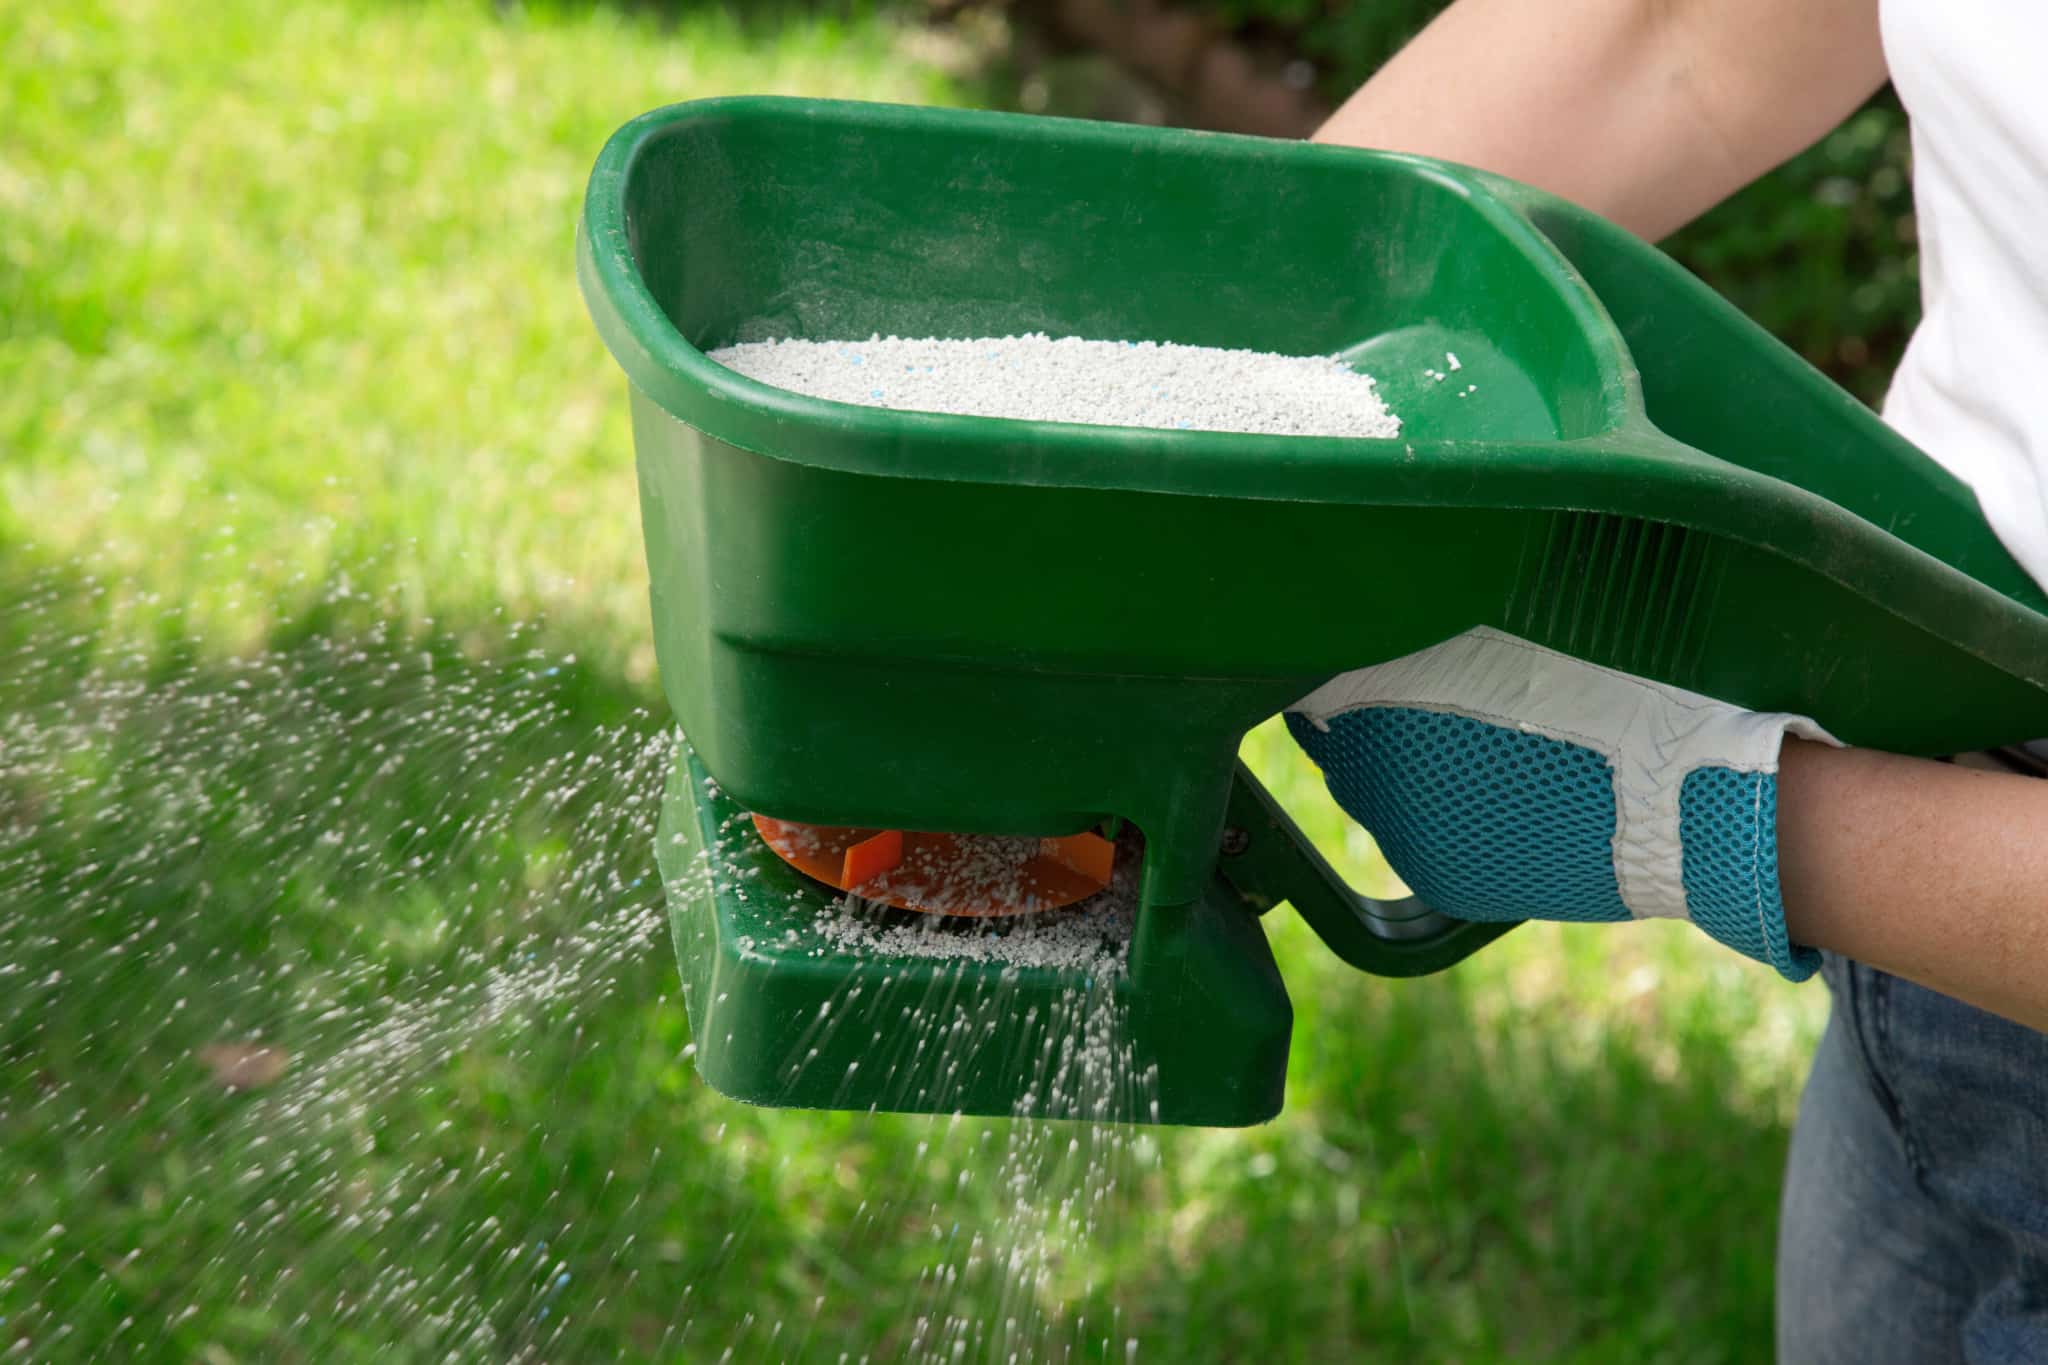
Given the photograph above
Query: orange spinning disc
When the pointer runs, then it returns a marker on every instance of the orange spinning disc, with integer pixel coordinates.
(946, 874)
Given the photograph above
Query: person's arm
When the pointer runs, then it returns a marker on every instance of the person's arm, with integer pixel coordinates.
(1646, 111)
(1931, 871)
(1504, 781)
(1650, 112)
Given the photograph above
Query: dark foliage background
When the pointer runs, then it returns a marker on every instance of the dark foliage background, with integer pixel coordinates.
(1821, 251)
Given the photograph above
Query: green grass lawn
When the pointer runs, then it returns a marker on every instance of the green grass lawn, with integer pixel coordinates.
(328, 725)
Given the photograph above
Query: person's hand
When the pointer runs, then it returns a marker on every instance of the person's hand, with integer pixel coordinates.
(1506, 781)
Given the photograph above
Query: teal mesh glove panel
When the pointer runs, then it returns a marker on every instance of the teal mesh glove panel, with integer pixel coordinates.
(1482, 822)
(1728, 826)
(1503, 782)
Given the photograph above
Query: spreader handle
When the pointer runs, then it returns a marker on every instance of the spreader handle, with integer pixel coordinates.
(1267, 858)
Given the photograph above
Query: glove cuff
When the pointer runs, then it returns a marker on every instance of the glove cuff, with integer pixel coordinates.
(1728, 829)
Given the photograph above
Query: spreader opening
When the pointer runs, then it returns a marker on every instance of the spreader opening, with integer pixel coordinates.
(969, 875)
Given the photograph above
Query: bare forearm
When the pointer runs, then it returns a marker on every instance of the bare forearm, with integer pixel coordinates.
(1933, 872)
(1647, 111)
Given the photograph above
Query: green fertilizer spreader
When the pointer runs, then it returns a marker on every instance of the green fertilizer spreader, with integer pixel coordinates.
(902, 621)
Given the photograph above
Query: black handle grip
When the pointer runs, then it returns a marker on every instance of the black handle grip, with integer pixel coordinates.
(1267, 859)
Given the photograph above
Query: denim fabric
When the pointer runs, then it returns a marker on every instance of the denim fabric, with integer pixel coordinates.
(1915, 1219)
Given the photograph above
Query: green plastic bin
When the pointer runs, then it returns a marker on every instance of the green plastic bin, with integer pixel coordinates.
(869, 617)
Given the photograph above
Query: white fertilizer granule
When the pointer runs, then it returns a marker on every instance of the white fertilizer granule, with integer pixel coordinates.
(1090, 941)
(1106, 383)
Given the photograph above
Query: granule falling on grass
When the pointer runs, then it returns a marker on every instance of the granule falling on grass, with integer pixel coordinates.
(1104, 383)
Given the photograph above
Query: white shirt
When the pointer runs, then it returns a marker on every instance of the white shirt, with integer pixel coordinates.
(1972, 390)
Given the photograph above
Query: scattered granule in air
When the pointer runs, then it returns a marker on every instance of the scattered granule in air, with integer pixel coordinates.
(1105, 383)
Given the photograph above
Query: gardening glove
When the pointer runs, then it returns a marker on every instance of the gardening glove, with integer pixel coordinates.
(1506, 781)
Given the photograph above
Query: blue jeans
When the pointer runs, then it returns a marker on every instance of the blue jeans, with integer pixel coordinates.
(1915, 1219)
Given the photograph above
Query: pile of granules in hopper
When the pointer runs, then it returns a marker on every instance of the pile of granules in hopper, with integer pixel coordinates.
(1106, 383)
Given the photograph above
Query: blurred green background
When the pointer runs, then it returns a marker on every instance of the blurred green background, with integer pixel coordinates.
(311, 459)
